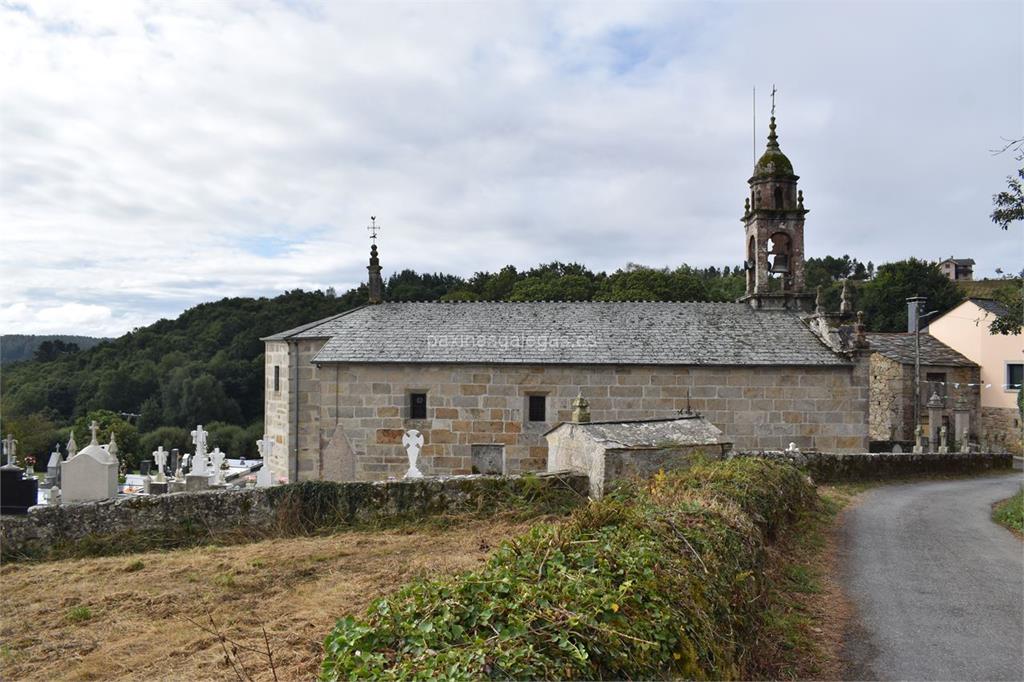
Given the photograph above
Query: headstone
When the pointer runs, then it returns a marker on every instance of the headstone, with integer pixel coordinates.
(54, 497)
(17, 493)
(90, 475)
(72, 446)
(217, 458)
(195, 482)
(413, 441)
(264, 477)
(176, 463)
(199, 463)
(488, 459)
(158, 487)
(160, 458)
(145, 466)
(10, 450)
(53, 468)
(918, 432)
(897, 450)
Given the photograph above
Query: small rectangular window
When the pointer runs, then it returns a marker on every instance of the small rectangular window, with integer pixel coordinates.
(277, 377)
(538, 408)
(1014, 375)
(417, 406)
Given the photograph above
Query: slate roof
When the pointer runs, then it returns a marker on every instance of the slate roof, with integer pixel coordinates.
(900, 347)
(627, 333)
(988, 305)
(650, 433)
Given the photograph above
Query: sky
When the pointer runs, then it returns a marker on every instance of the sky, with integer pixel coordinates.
(157, 155)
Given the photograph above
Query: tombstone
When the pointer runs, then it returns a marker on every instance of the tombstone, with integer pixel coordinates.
(91, 474)
(264, 477)
(413, 441)
(918, 448)
(175, 463)
(217, 476)
(934, 406)
(53, 468)
(160, 458)
(199, 461)
(897, 450)
(17, 493)
(488, 458)
(72, 446)
(145, 466)
(943, 448)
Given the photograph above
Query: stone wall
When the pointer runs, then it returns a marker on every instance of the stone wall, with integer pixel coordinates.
(352, 417)
(891, 403)
(277, 412)
(164, 521)
(828, 467)
(1001, 429)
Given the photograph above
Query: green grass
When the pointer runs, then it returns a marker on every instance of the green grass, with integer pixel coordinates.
(79, 614)
(1010, 512)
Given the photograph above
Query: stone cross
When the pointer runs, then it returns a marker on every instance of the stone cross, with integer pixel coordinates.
(95, 428)
(112, 448)
(199, 438)
(10, 448)
(264, 479)
(160, 457)
(217, 457)
(179, 474)
(413, 441)
(918, 431)
(72, 446)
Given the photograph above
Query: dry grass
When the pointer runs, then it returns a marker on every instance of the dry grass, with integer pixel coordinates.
(136, 628)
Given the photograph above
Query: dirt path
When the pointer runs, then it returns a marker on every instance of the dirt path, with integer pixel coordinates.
(131, 610)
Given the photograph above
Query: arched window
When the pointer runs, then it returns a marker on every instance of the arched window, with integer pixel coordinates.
(778, 197)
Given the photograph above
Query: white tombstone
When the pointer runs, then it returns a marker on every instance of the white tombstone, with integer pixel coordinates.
(90, 475)
(413, 441)
(10, 449)
(160, 458)
(265, 479)
(217, 458)
(199, 460)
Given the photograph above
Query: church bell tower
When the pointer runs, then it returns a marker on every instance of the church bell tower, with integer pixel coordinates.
(773, 218)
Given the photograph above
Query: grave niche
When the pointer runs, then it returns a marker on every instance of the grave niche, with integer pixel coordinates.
(488, 459)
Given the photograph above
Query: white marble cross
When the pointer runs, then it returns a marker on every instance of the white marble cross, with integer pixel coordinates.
(95, 428)
(199, 438)
(217, 457)
(264, 479)
(10, 448)
(160, 457)
(413, 441)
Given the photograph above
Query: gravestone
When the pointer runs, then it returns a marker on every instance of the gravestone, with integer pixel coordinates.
(91, 474)
(217, 459)
(17, 493)
(198, 477)
(413, 441)
(145, 466)
(264, 477)
(488, 458)
(175, 463)
(53, 468)
(897, 450)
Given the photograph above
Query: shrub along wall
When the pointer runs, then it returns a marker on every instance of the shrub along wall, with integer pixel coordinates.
(655, 580)
(829, 467)
(182, 519)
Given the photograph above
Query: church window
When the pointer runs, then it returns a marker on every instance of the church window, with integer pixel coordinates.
(417, 406)
(537, 411)
(277, 377)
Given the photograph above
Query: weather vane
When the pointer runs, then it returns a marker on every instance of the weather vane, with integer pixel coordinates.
(773, 98)
(372, 228)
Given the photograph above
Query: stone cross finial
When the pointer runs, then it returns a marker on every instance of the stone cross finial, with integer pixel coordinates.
(580, 409)
(72, 446)
(413, 441)
(819, 302)
(10, 448)
(112, 447)
(95, 428)
(844, 301)
(160, 458)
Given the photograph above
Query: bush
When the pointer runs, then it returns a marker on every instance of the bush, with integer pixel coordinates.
(169, 437)
(653, 581)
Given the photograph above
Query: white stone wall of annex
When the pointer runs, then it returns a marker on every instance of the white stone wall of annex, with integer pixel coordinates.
(351, 417)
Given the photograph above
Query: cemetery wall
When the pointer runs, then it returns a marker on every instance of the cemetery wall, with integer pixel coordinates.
(830, 467)
(352, 417)
(180, 519)
(1001, 428)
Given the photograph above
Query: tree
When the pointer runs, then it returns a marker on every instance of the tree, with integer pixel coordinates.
(1013, 320)
(883, 299)
(1009, 204)
(639, 283)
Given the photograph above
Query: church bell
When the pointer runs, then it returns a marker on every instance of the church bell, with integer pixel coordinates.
(780, 265)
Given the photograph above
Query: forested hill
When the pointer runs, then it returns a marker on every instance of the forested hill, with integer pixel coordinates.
(18, 347)
(206, 366)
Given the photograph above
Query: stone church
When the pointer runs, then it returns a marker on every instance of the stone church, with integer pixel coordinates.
(484, 381)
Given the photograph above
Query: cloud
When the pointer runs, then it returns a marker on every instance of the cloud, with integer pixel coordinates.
(158, 155)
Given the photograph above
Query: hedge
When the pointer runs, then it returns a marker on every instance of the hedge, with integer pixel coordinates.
(657, 580)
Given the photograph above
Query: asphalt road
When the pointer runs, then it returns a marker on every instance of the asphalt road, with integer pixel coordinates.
(938, 588)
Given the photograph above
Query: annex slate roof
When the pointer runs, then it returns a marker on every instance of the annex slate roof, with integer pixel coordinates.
(990, 306)
(650, 433)
(900, 347)
(629, 333)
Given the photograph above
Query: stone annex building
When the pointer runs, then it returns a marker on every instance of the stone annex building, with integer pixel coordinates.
(484, 381)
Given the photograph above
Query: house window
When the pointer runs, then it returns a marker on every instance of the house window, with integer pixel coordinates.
(936, 382)
(537, 411)
(277, 377)
(1014, 375)
(417, 406)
